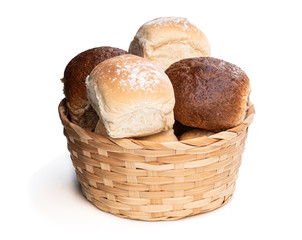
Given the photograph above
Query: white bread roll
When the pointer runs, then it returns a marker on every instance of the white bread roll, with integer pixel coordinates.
(166, 136)
(166, 40)
(131, 96)
(195, 133)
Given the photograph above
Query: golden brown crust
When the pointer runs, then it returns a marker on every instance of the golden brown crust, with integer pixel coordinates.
(75, 75)
(210, 93)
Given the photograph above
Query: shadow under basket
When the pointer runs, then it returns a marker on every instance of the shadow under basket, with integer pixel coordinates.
(156, 181)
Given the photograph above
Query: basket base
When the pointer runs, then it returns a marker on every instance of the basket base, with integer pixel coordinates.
(217, 203)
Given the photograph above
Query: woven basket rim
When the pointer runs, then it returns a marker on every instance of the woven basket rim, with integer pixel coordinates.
(195, 142)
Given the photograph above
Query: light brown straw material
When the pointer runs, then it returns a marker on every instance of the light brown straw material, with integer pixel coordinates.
(156, 181)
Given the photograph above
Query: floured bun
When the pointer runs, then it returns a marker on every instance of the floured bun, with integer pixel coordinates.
(131, 96)
(76, 71)
(166, 40)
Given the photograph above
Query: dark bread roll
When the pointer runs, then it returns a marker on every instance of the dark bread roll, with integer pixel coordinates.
(179, 128)
(76, 71)
(210, 93)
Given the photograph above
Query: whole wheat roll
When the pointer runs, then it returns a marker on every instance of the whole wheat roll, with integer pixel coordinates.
(210, 93)
(76, 71)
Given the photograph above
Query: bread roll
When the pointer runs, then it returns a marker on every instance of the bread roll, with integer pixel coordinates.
(195, 133)
(179, 128)
(210, 93)
(100, 128)
(131, 96)
(76, 71)
(166, 136)
(166, 40)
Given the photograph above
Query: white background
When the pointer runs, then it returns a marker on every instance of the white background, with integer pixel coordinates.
(40, 198)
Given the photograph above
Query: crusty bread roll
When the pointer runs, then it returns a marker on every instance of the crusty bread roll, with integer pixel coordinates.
(76, 71)
(195, 133)
(166, 136)
(210, 93)
(131, 96)
(166, 40)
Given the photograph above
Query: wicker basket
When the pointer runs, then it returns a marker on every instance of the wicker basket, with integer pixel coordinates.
(156, 181)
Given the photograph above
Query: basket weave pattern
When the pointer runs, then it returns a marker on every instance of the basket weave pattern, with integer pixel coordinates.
(156, 181)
